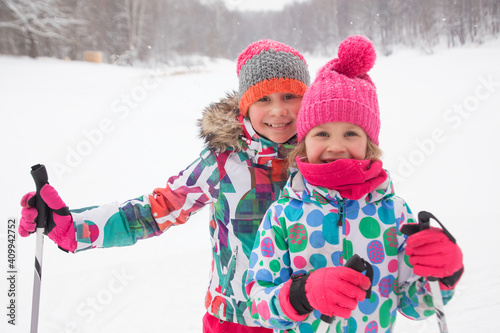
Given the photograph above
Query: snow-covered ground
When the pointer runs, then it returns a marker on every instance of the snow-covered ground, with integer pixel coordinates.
(110, 133)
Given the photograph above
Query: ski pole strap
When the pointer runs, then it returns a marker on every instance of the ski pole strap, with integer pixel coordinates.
(39, 174)
(358, 264)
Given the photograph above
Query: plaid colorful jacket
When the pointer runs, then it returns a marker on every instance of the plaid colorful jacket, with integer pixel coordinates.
(238, 176)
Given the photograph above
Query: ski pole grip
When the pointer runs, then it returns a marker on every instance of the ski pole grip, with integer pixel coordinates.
(424, 220)
(358, 264)
(424, 223)
(39, 174)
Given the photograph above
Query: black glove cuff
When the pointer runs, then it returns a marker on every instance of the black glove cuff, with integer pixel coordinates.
(62, 211)
(451, 280)
(297, 294)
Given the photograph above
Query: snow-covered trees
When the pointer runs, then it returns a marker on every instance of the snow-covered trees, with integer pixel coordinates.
(127, 31)
(38, 22)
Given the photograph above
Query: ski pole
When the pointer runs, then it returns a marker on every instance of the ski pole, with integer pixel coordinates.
(39, 174)
(358, 264)
(437, 299)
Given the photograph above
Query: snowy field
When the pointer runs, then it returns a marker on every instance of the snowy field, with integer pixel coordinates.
(110, 133)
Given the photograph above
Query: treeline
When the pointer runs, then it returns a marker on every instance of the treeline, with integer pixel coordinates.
(167, 31)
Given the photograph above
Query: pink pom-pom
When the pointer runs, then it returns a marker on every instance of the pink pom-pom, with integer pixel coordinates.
(356, 56)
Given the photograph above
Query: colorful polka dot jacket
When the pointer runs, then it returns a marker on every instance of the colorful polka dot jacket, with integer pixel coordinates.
(311, 227)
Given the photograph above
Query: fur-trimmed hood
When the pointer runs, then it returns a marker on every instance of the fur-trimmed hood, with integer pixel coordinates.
(219, 125)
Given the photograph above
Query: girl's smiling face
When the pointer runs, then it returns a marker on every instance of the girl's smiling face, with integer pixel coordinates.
(274, 116)
(329, 142)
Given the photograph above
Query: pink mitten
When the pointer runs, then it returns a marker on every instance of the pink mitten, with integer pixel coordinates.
(333, 291)
(27, 223)
(432, 253)
(60, 227)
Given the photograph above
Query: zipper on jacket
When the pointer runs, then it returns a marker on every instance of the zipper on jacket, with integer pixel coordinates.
(340, 205)
(230, 269)
(340, 224)
(225, 282)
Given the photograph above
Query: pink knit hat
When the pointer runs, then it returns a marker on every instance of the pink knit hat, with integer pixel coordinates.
(343, 91)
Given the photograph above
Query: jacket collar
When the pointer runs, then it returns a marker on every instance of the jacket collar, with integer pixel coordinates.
(298, 188)
(261, 149)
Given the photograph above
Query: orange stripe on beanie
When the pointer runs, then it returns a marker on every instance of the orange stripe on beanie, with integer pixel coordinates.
(267, 87)
(266, 67)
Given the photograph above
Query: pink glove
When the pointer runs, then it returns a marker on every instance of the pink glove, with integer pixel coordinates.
(333, 291)
(432, 253)
(60, 227)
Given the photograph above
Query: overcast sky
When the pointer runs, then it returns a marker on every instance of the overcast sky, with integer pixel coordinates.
(243, 5)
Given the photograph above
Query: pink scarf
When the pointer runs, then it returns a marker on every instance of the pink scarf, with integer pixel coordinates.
(351, 178)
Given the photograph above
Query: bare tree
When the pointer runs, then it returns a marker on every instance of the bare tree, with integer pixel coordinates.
(132, 16)
(38, 19)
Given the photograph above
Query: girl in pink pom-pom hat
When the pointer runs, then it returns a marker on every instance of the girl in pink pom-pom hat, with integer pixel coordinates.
(341, 205)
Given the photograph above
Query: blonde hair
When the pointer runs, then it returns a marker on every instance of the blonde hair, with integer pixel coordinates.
(373, 152)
